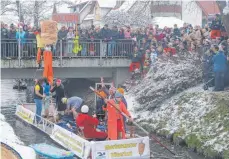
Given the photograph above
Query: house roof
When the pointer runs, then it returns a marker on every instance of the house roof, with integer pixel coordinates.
(107, 3)
(79, 2)
(102, 3)
(209, 7)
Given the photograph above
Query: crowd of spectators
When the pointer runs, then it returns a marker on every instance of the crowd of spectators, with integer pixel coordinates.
(142, 45)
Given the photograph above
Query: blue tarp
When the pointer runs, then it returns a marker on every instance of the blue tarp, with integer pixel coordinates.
(52, 152)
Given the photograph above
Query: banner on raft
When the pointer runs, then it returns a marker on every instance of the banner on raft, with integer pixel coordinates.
(137, 148)
(25, 114)
(71, 141)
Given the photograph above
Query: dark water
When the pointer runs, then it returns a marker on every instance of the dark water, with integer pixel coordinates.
(29, 135)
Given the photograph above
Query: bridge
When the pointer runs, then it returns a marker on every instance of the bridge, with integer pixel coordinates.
(23, 66)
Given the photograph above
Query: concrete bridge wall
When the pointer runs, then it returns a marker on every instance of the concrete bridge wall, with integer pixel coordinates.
(115, 68)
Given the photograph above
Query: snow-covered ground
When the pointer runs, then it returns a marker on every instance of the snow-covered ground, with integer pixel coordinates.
(170, 102)
(168, 21)
(8, 136)
(198, 117)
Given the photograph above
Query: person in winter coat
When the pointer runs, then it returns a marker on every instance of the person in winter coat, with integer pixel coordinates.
(215, 27)
(88, 124)
(73, 104)
(208, 67)
(105, 34)
(115, 118)
(47, 99)
(136, 60)
(60, 93)
(170, 50)
(220, 64)
(127, 33)
(12, 46)
(70, 37)
(62, 35)
(176, 31)
(112, 43)
(225, 48)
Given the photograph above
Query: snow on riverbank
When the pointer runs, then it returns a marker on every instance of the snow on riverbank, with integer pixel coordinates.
(8, 136)
(169, 102)
(198, 118)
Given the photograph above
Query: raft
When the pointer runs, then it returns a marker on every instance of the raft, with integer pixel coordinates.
(8, 152)
(130, 148)
(52, 152)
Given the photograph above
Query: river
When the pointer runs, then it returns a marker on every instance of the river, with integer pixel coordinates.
(29, 135)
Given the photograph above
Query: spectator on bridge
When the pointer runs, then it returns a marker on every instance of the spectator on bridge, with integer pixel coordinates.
(112, 43)
(127, 33)
(70, 37)
(20, 36)
(62, 35)
(4, 40)
(12, 46)
(106, 36)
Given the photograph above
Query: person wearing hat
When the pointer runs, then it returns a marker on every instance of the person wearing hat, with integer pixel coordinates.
(73, 104)
(115, 120)
(60, 93)
(215, 27)
(88, 124)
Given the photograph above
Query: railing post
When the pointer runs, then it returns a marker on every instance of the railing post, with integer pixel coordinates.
(61, 54)
(101, 52)
(19, 52)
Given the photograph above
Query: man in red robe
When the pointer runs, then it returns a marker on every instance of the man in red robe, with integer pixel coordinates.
(88, 125)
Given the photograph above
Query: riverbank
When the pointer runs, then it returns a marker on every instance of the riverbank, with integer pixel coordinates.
(8, 137)
(170, 102)
(198, 120)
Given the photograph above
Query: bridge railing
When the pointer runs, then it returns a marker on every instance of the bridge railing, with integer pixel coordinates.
(27, 49)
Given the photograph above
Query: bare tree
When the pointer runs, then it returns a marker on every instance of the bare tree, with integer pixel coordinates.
(6, 6)
(31, 10)
(225, 17)
(138, 15)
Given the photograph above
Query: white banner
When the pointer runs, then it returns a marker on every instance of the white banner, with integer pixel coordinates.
(71, 141)
(137, 148)
(25, 114)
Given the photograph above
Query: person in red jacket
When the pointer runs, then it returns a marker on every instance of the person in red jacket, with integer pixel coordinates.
(88, 124)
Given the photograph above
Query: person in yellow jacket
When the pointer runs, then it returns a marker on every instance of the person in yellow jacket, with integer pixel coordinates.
(40, 47)
(77, 47)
